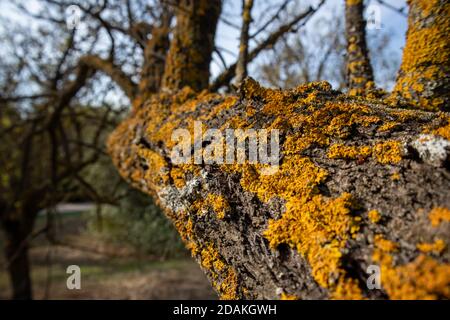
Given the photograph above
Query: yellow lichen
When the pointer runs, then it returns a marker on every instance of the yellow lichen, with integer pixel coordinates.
(384, 244)
(395, 176)
(423, 278)
(341, 151)
(224, 277)
(374, 216)
(388, 152)
(347, 290)
(436, 247)
(388, 126)
(443, 131)
(285, 296)
(219, 205)
(318, 228)
(438, 215)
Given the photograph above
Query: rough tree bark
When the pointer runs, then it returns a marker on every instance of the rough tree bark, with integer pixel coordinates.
(359, 69)
(424, 80)
(357, 184)
(189, 56)
(361, 185)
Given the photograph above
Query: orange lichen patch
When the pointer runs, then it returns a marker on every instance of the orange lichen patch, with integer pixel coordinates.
(365, 120)
(224, 277)
(227, 288)
(157, 173)
(228, 102)
(388, 152)
(403, 115)
(178, 173)
(388, 126)
(341, 151)
(318, 228)
(216, 203)
(219, 204)
(165, 111)
(250, 111)
(443, 131)
(347, 290)
(436, 247)
(299, 142)
(283, 102)
(438, 215)
(210, 258)
(423, 278)
(285, 296)
(395, 176)
(236, 122)
(297, 176)
(384, 244)
(185, 228)
(374, 216)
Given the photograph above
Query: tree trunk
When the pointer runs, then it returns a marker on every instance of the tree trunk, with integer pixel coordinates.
(423, 79)
(18, 265)
(359, 69)
(191, 48)
(241, 65)
(360, 186)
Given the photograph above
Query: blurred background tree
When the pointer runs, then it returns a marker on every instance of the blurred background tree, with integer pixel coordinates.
(320, 52)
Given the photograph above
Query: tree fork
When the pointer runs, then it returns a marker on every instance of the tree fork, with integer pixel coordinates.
(360, 184)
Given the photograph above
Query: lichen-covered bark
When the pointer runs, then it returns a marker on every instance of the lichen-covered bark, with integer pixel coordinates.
(154, 60)
(423, 80)
(192, 44)
(359, 69)
(359, 184)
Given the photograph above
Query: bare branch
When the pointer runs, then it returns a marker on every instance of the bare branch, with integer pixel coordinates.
(241, 64)
(113, 71)
(226, 76)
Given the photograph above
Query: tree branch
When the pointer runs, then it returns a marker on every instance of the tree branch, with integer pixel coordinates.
(226, 76)
(113, 71)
